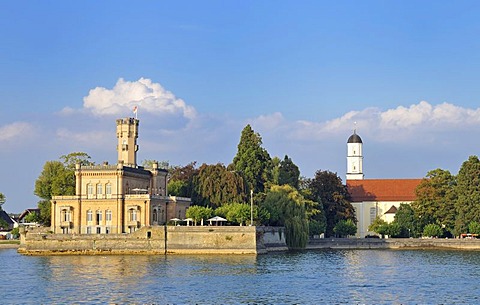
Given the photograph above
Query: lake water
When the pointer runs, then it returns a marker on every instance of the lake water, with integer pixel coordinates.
(311, 277)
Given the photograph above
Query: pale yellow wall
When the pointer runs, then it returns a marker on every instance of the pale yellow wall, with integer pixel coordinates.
(368, 210)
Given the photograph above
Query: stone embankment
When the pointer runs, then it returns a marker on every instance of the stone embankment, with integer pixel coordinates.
(394, 243)
(159, 240)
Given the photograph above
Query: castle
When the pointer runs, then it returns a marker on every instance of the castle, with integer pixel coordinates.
(373, 197)
(121, 198)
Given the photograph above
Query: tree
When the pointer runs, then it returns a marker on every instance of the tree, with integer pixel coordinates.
(57, 179)
(286, 207)
(435, 201)
(379, 226)
(407, 221)
(252, 160)
(3, 199)
(345, 228)
(327, 189)
(3, 224)
(197, 213)
(474, 227)
(432, 230)
(70, 160)
(467, 191)
(32, 217)
(180, 180)
(215, 186)
(239, 213)
(288, 173)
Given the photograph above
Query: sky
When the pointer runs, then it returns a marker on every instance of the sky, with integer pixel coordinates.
(303, 74)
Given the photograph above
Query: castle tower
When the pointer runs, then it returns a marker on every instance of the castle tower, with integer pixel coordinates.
(127, 134)
(354, 157)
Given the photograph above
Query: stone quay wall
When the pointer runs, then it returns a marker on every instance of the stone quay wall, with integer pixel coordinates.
(158, 240)
(394, 243)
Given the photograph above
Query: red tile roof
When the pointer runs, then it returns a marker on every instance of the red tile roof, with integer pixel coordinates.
(383, 189)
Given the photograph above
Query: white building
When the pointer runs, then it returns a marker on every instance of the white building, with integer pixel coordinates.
(373, 197)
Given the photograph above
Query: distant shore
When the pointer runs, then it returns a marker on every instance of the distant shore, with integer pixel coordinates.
(394, 243)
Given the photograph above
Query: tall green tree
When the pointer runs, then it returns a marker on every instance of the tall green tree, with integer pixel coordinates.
(286, 207)
(215, 185)
(3, 199)
(468, 194)
(253, 160)
(288, 173)
(181, 180)
(57, 179)
(435, 201)
(327, 188)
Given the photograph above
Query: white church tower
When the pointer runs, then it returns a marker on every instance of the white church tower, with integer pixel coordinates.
(354, 157)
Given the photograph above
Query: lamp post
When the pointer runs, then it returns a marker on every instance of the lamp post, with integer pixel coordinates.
(251, 207)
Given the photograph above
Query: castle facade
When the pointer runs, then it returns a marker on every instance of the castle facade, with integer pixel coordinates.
(121, 198)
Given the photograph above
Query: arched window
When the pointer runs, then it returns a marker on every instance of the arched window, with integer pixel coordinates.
(108, 190)
(99, 190)
(155, 215)
(133, 215)
(89, 190)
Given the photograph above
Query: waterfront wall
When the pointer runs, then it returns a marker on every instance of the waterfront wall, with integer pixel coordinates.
(394, 243)
(159, 240)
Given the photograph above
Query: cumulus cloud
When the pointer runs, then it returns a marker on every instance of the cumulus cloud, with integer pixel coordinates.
(84, 138)
(15, 130)
(125, 95)
(400, 123)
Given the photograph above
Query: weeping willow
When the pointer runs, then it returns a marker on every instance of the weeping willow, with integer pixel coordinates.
(296, 232)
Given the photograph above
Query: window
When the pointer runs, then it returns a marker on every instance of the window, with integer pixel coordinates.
(66, 215)
(89, 215)
(133, 215)
(373, 214)
(108, 190)
(154, 215)
(99, 230)
(89, 191)
(99, 217)
(107, 230)
(99, 190)
(89, 230)
(108, 215)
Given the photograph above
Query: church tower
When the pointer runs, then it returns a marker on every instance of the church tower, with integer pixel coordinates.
(354, 157)
(127, 134)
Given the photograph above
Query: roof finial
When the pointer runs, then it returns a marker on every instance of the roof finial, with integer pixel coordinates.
(355, 127)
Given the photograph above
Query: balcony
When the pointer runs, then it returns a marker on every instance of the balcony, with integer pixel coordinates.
(66, 224)
(133, 223)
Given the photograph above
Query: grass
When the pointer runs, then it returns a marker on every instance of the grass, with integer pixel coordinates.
(9, 242)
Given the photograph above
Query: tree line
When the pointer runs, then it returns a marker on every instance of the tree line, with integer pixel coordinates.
(446, 205)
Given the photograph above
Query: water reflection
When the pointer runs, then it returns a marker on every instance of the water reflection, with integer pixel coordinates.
(313, 277)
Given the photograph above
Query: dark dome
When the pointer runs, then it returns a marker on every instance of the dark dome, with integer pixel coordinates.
(354, 138)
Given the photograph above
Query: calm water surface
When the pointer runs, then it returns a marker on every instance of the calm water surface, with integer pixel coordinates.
(313, 277)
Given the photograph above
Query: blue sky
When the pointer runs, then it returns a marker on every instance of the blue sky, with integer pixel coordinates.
(300, 72)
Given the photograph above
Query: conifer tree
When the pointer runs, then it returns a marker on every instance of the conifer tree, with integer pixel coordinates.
(252, 160)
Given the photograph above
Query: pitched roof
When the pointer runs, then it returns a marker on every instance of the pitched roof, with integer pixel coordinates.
(383, 189)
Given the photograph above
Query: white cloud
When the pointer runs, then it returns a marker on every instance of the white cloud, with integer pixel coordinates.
(15, 131)
(148, 96)
(92, 138)
(401, 123)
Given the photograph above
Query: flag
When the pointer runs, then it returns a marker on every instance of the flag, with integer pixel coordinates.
(135, 109)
